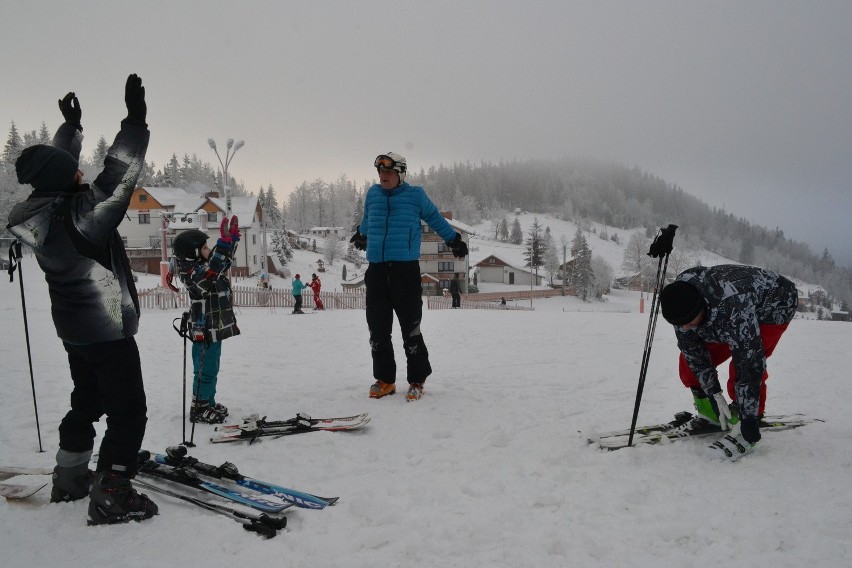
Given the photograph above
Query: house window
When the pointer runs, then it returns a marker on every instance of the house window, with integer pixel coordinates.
(490, 261)
(124, 241)
(254, 239)
(212, 216)
(254, 259)
(143, 197)
(444, 284)
(442, 247)
(446, 267)
(144, 218)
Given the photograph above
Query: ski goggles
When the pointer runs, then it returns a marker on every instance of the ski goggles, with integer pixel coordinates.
(385, 162)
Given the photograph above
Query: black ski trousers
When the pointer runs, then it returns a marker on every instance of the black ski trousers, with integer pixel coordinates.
(107, 380)
(394, 287)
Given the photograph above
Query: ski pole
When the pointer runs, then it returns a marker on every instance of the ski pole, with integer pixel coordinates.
(15, 264)
(183, 332)
(660, 248)
(196, 386)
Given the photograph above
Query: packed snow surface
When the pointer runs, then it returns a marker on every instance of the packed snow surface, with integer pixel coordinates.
(490, 468)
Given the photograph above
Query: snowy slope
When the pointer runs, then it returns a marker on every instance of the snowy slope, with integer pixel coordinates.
(490, 468)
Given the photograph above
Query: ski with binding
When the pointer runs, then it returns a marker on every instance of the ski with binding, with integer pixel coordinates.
(253, 428)
(175, 456)
(190, 478)
(657, 433)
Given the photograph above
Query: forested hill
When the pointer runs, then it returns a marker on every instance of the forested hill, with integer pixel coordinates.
(627, 198)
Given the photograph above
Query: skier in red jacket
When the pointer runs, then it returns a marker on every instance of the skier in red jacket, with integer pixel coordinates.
(316, 285)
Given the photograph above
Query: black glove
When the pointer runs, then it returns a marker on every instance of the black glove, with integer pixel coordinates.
(458, 246)
(134, 98)
(70, 107)
(750, 430)
(663, 243)
(359, 240)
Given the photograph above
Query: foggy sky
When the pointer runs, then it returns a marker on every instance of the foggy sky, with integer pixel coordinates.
(743, 104)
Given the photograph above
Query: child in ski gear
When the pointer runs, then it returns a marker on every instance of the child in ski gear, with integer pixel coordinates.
(390, 232)
(72, 229)
(736, 312)
(454, 291)
(298, 286)
(211, 315)
(316, 286)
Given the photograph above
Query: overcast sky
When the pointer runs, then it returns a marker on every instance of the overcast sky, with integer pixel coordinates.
(747, 105)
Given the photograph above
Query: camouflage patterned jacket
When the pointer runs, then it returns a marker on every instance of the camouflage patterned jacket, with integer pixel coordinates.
(738, 299)
(76, 242)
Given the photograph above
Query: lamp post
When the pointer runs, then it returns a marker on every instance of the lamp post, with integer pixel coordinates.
(230, 151)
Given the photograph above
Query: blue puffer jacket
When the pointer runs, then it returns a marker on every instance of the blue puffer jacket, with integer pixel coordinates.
(391, 222)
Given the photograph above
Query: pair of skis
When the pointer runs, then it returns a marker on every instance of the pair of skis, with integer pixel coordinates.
(225, 481)
(671, 431)
(175, 459)
(254, 427)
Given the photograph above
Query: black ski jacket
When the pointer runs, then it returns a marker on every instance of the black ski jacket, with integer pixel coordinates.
(76, 241)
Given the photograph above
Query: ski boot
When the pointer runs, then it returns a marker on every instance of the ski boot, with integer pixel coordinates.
(221, 409)
(415, 391)
(113, 500)
(71, 483)
(381, 388)
(202, 412)
(706, 419)
(731, 446)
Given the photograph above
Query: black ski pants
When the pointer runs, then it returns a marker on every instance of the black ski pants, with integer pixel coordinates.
(394, 287)
(107, 380)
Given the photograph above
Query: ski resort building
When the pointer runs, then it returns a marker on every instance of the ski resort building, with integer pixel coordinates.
(157, 214)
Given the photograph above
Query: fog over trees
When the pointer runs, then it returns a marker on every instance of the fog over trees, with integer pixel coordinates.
(581, 191)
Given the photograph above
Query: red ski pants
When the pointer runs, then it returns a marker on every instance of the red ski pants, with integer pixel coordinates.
(770, 334)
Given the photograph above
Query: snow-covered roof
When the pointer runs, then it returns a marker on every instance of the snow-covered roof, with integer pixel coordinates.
(188, 204)
(243, 207)
(461, 226)
(167, 196)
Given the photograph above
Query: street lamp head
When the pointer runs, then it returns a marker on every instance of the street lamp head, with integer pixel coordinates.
(230, 143)
(239, 145)
(212, 143)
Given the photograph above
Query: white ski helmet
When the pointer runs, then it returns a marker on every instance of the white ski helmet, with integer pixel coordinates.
(392, 161)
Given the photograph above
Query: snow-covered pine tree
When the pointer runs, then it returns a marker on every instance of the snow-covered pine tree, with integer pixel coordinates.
(281, 247)
(535, 248)
(583, 275)
(516, 236)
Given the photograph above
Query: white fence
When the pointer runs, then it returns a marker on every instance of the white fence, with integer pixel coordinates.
(250, 296)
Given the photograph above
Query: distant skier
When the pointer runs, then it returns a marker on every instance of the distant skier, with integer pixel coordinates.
(455, 291)
(316, 286)
(204, 272)
(390, 232)
(721, 312)
(72, 229)
(298, 286)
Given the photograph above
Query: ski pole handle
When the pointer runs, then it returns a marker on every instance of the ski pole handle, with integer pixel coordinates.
(663, 243)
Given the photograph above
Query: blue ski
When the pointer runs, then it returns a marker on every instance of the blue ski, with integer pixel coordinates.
(176, 457)
(191, 479)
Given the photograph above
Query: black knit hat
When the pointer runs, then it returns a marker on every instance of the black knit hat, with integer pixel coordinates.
(46, 168)
(681, 302)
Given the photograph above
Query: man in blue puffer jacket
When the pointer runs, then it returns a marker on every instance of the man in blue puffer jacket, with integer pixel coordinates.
(390, 233)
